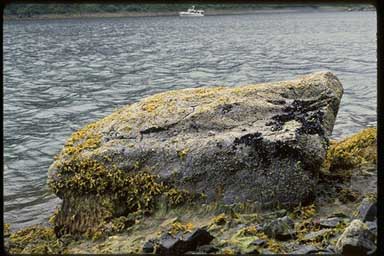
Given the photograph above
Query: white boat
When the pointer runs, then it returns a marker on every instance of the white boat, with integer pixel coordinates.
(192, 12)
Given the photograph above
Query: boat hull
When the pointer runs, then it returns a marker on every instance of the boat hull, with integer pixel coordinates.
(185, 14)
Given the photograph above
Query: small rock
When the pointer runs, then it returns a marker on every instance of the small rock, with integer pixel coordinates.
(305, 249)
(367, 210)
(356, 240)
(258, 242)
(149, 247)
(281, 229)
(211, 133)
(330, 222)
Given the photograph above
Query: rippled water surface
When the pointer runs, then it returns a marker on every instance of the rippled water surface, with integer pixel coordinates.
(61, 74)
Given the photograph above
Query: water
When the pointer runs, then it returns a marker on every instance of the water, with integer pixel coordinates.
(62, 74)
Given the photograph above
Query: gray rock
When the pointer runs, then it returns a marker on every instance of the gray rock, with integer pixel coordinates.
(356, 240)
(367, 210)
(281, 229)
(305, 249)
(330, 222)
(270, 141)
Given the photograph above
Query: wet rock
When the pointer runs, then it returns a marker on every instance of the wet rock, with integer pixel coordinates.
(356, 240)
(169, 245)
(281, 229)
(367, 210)
(260, 130)
(330, 222)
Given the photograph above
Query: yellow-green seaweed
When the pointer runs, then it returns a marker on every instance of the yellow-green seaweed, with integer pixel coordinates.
(353, 151)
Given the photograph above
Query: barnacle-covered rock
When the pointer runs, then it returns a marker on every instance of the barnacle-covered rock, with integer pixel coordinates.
(261, 144)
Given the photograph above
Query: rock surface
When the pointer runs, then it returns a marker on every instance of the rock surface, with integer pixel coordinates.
(357, 239)
(260, 143)
(280, 229)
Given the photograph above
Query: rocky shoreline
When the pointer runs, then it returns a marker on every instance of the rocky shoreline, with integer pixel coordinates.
(119, 196)
(343, 217)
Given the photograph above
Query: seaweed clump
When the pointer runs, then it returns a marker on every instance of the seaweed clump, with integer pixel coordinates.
(35, 240)
(94, 193)
(353, 151)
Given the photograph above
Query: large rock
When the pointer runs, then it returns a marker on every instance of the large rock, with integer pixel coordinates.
(261, 144)
(357, 239)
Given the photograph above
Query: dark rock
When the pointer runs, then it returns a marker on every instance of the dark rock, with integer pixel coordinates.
(281, 229)
(149, 246)
(169, 245)
(367, 210)
(356, 240)
(199, 237)
(259, 242)
(330, 222)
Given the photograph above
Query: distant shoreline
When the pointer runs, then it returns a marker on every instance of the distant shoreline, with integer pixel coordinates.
(172, 13)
